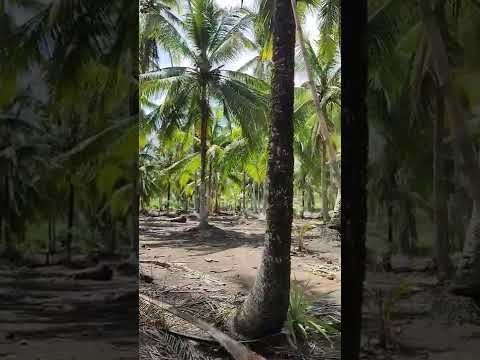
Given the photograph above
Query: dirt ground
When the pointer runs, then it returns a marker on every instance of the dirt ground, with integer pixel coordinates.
(47, 315)
(427, 322)
(232, 252)
(221, 263)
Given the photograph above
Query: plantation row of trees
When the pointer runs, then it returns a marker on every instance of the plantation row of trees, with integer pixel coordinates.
(68, 127)
(211, 135)
(204, 127)
(424, 126)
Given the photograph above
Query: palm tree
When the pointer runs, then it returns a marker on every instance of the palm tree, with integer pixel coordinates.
(325, 71)
(206, 37)
(265, 309)
(329, 13)
(99, 59)
(468, 272)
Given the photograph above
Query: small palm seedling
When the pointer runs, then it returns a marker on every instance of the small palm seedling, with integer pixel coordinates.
(300, 324)
(384, 302)
(301, 232)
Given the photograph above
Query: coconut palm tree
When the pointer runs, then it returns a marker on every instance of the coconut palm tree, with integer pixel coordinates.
(468, 273)
(206, 37)
(265, 309)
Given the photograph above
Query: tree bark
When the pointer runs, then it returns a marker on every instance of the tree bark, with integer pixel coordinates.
(265, 309)
(336, 221)
(440, 212)
(244, 194)
(302, 213)
(71, 208)
(9, 246)
(408, 233)
(324, 184)
(168, 196)
(203, 157)
(467, 279)
(210, 186)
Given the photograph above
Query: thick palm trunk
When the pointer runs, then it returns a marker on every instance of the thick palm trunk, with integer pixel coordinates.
(203, 159)
(467, 280)
(265, 309)
(440, 214)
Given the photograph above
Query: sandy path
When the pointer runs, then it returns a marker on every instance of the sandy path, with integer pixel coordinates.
(233, 254)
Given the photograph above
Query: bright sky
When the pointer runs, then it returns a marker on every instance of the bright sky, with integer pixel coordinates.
(310, 28)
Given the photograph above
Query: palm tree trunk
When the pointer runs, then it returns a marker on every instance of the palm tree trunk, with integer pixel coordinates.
(265, 197)
(9, 245)
(196, 195)
(113, 236)
(203, 158)
(389, 252)
(210, 186)
(51, 238)
(265, 309)
(302, 213)
(322, 123)
(217, 194)
(168, 196)
(440, 215)
(467, 280)
(71, 208)
(336, 221)
(244, 193)
(324, 185)
(134, 110)
(325, 134)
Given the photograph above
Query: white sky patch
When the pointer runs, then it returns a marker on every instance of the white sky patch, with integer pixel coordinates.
(310, 29)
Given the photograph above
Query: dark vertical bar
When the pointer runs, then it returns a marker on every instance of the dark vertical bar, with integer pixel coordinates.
(354, 160)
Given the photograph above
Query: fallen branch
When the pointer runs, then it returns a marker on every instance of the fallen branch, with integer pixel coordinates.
(155, 262)
(179, 219)
(234, 348)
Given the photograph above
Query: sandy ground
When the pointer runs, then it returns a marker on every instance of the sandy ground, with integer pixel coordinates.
(209, 272)
(232, 253)
(428, 322)
(46, 315)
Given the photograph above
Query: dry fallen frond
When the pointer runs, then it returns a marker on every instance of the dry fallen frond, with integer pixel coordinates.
(162, 345)
(235, 348)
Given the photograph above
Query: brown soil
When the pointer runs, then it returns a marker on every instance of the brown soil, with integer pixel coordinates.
(231, 252)
(220, 263)
(428, 322)
(46, 314)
